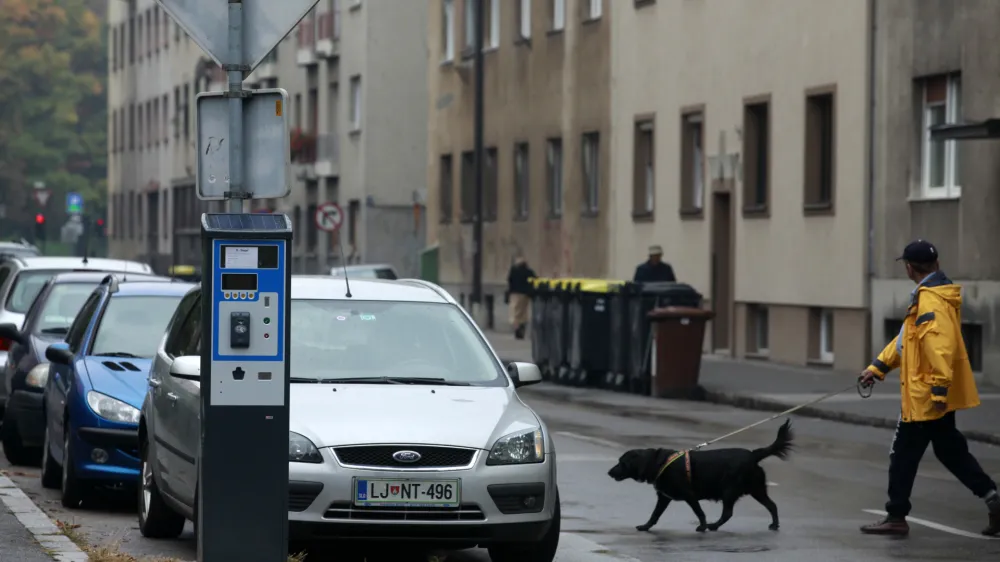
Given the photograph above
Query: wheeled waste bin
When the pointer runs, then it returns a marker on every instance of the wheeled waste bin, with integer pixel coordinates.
(678, 335)
(589, 337)
(642, 300)
(539, 330)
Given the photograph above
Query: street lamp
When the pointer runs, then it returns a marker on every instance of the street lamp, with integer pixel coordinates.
(478, 124)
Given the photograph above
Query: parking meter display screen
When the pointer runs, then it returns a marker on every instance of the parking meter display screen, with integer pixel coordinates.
(239, 282)
(249, 257)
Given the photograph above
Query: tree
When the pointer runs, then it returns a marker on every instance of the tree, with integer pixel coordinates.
(53, 108)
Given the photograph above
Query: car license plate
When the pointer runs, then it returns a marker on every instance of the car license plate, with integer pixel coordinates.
(407, 493)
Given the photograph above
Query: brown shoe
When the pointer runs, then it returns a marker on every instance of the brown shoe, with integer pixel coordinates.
(894, 526)
(994, 527)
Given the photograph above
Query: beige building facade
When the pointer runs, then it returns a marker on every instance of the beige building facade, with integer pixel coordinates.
(739, 144)
(547, 125)
(356, 79)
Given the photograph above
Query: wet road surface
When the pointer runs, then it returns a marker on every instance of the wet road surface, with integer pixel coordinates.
(834, 482)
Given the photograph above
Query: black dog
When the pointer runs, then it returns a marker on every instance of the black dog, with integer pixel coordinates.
(724, 475)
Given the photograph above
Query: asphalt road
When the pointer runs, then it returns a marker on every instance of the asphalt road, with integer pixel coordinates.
(831, 485)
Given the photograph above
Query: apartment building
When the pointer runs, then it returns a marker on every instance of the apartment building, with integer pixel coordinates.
(546, 99)
(936, 66)
(365, 150)
(740, 128)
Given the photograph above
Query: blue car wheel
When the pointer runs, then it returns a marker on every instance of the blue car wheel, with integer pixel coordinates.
(73, 488)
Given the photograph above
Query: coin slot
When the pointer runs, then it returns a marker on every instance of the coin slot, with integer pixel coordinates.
(267, 302)
(264, 376)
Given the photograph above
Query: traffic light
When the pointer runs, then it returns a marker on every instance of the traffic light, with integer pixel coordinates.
(40, 227)
(99, 224)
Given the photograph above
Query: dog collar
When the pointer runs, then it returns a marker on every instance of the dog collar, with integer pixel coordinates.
(674, 457)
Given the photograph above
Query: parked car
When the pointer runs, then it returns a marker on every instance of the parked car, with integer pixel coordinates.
(21, 278)
(421, 399)
(46, 322)
(366, 271)
(19, 249)
(96, 382)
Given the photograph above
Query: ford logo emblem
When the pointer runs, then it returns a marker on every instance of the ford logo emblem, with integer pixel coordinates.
(406, 456)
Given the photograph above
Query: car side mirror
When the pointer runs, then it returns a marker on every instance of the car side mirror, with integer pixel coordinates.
(187, 367)
(524, 374)
(10, 332)
(59, 353)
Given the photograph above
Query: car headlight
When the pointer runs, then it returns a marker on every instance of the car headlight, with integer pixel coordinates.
(112, 409)
(301, 449)
(38, 376)
(518, 448)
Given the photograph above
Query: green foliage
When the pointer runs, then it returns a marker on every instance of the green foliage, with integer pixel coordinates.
(53, 106)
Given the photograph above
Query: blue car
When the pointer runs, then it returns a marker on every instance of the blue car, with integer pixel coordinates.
(96, 382)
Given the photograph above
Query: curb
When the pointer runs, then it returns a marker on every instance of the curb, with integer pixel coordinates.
(41, 527)
(749, 402)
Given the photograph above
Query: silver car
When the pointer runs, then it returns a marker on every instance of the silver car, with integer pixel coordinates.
(424, 438)
(365, 271)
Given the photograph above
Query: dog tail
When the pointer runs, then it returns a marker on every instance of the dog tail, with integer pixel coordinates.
(780, 448)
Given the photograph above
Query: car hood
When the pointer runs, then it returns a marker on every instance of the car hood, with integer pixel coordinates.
(114, 377)
(356, 414)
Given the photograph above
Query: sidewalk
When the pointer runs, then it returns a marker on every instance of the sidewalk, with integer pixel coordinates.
(760, 385)
(27, 534)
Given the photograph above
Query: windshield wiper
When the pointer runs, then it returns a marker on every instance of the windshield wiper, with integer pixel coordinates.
(55, 331)
(122, 354)
(360, 380)
(300, 379)
(426, 380)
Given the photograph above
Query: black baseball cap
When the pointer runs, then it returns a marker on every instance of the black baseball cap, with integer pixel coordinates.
(919, 251)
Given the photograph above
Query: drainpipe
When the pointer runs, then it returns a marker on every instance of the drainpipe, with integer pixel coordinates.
(872, 75)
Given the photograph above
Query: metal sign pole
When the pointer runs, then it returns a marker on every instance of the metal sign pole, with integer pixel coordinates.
(236, 93)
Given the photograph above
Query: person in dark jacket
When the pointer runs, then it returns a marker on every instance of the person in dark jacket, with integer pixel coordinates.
(519, 295)
(654, 269)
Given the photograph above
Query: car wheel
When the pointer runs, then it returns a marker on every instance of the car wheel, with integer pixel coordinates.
(541, 551)
(13, 447)
(156, 519)
(51, 471)
(73, 489)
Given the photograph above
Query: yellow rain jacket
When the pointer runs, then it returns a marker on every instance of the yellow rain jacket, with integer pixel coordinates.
(930, 353)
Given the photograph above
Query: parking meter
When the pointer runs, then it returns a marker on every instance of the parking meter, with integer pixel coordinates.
(243, 469)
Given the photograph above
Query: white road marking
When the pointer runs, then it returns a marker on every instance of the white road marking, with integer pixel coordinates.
(576, 548)
(589, 439)
(935, 526)
(38, 524)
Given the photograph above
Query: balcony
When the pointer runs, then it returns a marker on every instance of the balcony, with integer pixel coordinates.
(327, 155)
(328, 31)
(306, 40)
(268, 68)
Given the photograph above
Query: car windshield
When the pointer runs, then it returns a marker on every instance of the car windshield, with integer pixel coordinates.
(27, 285)
(132, 325)
(61, 307)
(336, 340)
(367, 273)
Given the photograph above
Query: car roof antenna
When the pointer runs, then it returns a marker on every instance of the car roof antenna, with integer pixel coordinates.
(125, 271)
(343, 262)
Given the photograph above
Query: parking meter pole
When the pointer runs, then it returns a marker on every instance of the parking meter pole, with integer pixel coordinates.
(242, 495)
(235, 94)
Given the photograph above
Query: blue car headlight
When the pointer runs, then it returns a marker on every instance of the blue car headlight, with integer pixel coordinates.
(112, 409)
(301, 449)
(523, 447)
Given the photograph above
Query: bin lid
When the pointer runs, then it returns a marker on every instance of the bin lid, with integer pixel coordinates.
(667, 288)
(668, 312)
(599, 285)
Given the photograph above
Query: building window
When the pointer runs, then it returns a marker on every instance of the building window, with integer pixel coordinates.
(493, 24)
(140, 131)
(166, 118)
(591, 162)
(131, 40)
(114, 132)
(942, 103)
(446, 186)
(521, 181)
(468, 196)
(470, 25)
(114, 49)
(490, 180)
(595, 9)
(820, 139)
(131, 215)
(156, 28)
(555, 177)
(355, 103)
(131, 126)
(524, 19)
(757, 330)
(448, 29)
(756, 156)
(821, 335)
(692, 163)
(558, 15)
(644, 172)
(187, 112)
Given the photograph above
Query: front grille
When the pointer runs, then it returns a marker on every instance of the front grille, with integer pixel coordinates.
(381, 456)
(346, 510)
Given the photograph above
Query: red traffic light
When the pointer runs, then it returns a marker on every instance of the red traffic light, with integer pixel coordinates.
(39, 219)
(100, 222)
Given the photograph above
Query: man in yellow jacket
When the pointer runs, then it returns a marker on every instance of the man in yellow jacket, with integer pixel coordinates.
(936, 382)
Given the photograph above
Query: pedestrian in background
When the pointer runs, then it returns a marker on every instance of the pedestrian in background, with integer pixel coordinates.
(654, 269)
(936, 381)
(519, 295)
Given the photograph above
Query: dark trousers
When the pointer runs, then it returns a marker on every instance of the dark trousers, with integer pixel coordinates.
(950, 447)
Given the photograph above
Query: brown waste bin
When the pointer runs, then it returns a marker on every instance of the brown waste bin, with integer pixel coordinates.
(679, 333)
